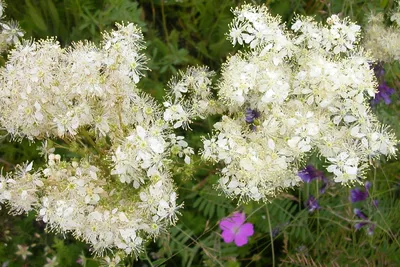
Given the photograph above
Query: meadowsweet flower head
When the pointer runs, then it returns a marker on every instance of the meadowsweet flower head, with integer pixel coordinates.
(234, 229)
(121, 192)
(190, 97)
(2, 6)
(381, 41)
(310, 87)
(10, 32)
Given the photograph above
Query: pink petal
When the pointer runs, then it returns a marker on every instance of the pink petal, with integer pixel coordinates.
(228, 236)
(238, 218)
(240, 240)
(226, 224)
(246, 229)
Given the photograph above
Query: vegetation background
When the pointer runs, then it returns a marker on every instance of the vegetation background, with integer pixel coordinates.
(193, 32)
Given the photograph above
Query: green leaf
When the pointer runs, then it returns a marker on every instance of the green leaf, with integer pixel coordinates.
(384, 3)
(55, 18)
(36, 16)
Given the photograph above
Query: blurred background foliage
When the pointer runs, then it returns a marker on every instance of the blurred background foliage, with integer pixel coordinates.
(193, 32)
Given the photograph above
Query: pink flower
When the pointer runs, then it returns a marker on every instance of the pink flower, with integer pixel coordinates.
(234, 229)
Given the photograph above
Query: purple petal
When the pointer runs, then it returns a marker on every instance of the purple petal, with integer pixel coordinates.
(324, 185)
(357, 194)
(371, 229)
(247, 229)
(360, 214)
(251, 115)
(384, 93)
(228, 236)
(241, 240)
(358, 226)
(312, 203)
(309, 173)
(368, 185)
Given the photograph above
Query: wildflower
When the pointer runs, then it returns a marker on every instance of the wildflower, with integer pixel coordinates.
(312, 204)
(234, 229)
(51, 262)
(365, 222)
(310, 173)
(371, 229)
(368, 186)
(359, 225)
(360, 214)
(23, 251)
(2, 6)
(384, 93)
(379, 70)
(381, 41)
(357, 194)
(251, 115)
(324, 185)
(322, 108)
(12, 32)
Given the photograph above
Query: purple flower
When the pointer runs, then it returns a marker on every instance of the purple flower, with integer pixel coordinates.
(357, 194)
(234, 229)
(379, 71)
(324, 185)
(312, 204)
(364, 217)
(371, 229)
(309, 173)
(359, 225)
(368, 185)
(360, 214)
(251, 115)
(384, 93)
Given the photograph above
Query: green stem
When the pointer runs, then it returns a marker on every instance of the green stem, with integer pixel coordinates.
(90, 140)
(272, 239)
(164, 21)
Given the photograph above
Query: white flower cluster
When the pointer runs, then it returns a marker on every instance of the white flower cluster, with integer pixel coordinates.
(121, 193)
(65, 89)
(19, 189)
(289, 94)
(395, 15)
(382, 41)
(190, 97)
(77, 199)
(10, 33)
